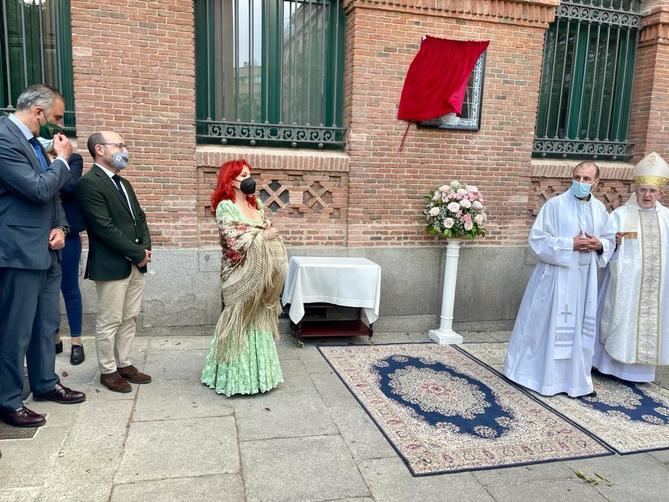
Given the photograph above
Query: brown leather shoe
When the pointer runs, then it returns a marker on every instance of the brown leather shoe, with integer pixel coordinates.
(23, 417)
(133, 375)
(61, 394)
(115, 383)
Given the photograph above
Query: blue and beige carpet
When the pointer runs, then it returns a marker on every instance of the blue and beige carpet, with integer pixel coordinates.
(629, 418)
(444, 411)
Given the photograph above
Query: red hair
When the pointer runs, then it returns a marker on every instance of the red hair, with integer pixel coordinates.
(224, 191)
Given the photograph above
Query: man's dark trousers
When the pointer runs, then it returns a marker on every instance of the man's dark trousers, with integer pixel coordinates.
(29, 301)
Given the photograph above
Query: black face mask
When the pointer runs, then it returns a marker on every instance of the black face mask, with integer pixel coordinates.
(247, 186)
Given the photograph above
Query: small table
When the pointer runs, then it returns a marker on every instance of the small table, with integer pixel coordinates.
(326, 281)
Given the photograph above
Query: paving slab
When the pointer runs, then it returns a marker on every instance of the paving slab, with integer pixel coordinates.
(313, 468)
(283, 413)
(632, 477)
(295, 375)
(82, 474)
(660, 455)
(390, 481)
(179, 448)
(172, 399)
(313, 361)
(536, 472)
(562, 490)
(25, 463)
(85, 465)
(333, 391)
(228, 487)
(28, 494)
(179, 343)
(361, 434)
(185, 365)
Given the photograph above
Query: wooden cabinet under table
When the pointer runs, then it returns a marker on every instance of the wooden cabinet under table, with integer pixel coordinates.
(327, 296)
(326, 320)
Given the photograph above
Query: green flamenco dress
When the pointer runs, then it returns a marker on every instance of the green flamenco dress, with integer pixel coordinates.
(247, 362)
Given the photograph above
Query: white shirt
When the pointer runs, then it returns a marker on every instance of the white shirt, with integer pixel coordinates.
(111, 174)
(29, 135)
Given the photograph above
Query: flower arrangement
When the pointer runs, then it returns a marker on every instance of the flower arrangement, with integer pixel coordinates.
(456, 210)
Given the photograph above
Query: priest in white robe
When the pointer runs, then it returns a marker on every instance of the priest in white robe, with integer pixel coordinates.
(634, 298)
(553, 340)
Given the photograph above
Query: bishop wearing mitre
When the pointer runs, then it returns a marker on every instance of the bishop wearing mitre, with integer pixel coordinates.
(634, 294)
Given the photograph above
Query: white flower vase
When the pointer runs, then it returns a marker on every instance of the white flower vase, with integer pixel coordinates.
(445, 335)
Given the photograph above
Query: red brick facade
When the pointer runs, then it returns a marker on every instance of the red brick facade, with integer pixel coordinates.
(134, 73)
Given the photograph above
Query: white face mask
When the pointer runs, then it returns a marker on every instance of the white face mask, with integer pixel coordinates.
(46, 143)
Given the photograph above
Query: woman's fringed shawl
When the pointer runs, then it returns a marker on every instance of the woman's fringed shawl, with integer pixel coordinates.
(253, 271)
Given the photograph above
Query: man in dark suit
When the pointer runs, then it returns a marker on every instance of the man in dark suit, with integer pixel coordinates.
(32, 232)
(119, 251)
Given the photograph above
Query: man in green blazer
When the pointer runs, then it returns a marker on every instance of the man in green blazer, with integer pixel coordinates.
(119, 252)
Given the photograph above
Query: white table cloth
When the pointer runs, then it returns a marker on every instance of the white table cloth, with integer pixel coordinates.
(349, 282)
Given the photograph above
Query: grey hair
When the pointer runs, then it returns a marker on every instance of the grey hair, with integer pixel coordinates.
(37, 95)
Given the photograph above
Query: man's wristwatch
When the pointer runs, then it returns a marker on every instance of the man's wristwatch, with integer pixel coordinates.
(66, 230)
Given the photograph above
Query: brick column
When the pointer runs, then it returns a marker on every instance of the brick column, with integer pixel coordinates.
(649, 122)
(134, 73)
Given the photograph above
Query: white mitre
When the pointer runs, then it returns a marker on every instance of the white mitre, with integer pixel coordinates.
(651, 170)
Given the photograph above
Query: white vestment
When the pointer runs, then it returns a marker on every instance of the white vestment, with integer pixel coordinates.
(634, 319)
(552, 344)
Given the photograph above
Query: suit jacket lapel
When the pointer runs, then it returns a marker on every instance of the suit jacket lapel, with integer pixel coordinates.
(109, 183)
(25, 145)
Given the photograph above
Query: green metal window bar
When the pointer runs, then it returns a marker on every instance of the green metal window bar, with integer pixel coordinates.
(270, 72)
(587, 77)
(36, 48)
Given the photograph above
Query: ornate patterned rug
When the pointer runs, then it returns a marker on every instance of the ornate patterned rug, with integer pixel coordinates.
(443, 411)
(629, 418)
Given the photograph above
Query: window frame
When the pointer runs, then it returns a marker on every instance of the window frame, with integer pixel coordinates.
(472, 123)
(269, 129)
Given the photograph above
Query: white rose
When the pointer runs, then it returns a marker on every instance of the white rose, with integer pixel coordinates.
(468, 225)
(477, 205)
(444, 188)
(473, 189)
(449, 222)
(453, 207)
(462, 191)
(455, 183)
(434, 211)
(466, 203)
(479, 219)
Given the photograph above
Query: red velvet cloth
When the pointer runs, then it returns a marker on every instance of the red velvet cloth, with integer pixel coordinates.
(437, 78)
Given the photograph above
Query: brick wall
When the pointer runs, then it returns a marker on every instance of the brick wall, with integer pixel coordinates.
(386, 186)
(134, 74)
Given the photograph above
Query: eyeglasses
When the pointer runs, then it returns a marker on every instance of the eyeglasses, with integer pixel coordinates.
(122, 146)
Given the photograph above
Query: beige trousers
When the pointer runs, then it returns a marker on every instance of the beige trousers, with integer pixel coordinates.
(116, 323)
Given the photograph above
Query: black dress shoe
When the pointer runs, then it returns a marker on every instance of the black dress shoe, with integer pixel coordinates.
(59, 347)
(61, 394)
(23, 417)
(77, 356)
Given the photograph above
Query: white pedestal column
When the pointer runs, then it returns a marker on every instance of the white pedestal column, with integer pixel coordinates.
(445, 334)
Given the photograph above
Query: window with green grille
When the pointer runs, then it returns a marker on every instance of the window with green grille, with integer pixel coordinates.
(36, 48)
(586, 83)
(270, 72)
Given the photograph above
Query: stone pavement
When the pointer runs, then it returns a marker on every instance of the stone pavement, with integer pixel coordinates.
(175, 440)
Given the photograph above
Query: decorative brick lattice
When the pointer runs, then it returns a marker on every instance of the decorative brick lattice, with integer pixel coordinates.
(612, 193)
(305, 206)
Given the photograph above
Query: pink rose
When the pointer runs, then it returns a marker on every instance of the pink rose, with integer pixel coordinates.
(453, 207)
(468, 226)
